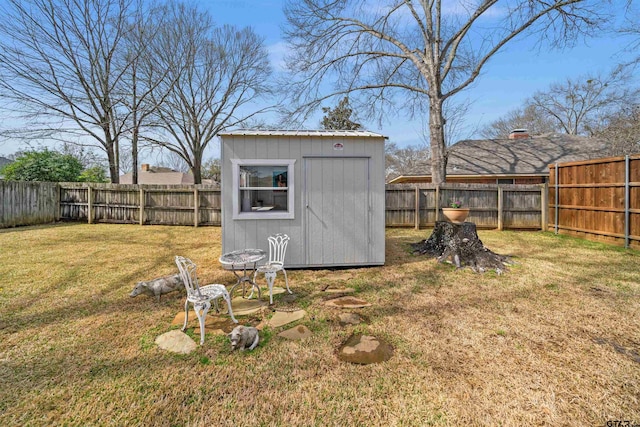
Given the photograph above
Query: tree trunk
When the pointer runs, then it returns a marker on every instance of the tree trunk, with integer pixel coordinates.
(134, 151)
(437, 141)
(460, 244)
(197, 174)
(196, 168)
(113, 168)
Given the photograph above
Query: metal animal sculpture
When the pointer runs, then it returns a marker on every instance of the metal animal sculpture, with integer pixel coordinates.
(243, 336)
(159, 286)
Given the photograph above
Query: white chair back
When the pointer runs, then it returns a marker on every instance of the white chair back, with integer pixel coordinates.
(188, 274)
(278, 248)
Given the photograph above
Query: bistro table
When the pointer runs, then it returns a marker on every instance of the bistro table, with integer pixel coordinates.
(241, 260)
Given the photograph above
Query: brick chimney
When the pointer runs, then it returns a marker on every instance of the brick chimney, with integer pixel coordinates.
(144, 167)
(519, 134)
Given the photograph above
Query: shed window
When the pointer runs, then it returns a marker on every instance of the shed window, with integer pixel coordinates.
(263, 189)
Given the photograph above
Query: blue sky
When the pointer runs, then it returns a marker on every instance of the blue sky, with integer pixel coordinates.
(508, 79)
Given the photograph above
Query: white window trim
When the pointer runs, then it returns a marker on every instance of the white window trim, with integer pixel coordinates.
(235, 167)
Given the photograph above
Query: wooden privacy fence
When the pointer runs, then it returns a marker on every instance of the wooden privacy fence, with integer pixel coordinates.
(597, 199)
(141, 204)
(407, 205)
(491, 205)
(27, 203)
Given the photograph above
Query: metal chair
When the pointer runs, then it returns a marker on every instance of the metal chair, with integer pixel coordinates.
(277, 251)
(200, 296)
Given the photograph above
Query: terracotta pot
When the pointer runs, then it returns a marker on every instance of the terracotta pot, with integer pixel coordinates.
(456, 215)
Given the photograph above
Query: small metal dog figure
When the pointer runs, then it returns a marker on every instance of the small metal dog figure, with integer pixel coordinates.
(159, 286)
(242, 336)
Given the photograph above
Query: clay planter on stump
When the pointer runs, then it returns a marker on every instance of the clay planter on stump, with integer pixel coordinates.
(456, 215)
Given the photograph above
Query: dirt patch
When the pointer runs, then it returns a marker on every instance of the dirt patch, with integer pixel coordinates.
(632, 353)
(350, 319)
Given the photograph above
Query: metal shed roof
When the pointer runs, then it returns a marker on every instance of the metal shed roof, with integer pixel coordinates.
(280, 132)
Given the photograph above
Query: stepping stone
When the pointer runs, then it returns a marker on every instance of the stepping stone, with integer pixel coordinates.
(277, 290)
(296, 333)
(347, 302)
(349, 319)
(179, 319)
(331, 290)
(242, 306)
(364, 350)
(337, 277)
(176, 341)
(212, 321)
(207, 330)
(281, 318)
(218, 322)
(215, 325)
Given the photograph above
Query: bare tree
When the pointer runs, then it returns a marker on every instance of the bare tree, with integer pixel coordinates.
(456, 126)
(88, 157)
(630, 28)
(212, 169)
(171, 160)
(528, 117)
(578, 105)
(411, 160)
(141, 78)
(57, 67)
(621, 130)
(214, 73)
(428, 50)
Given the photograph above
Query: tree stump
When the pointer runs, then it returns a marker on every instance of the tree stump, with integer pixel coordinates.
(460, 245)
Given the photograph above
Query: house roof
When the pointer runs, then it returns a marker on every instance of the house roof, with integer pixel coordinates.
(509, 157)
(4, 161)
(280, 132)
(158, 175)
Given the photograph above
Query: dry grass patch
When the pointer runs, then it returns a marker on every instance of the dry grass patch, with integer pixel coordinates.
(553, 341)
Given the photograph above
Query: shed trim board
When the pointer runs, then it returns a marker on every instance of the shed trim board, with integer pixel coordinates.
(304, 133)
(238, 214)
(336, 192)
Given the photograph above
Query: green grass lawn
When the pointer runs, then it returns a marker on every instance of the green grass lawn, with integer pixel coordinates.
(554, 341)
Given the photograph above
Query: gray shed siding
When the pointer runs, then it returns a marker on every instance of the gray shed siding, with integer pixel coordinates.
(333, 179)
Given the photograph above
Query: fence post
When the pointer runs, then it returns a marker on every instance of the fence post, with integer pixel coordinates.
(416, 216)
(59, 200)
(544, 203)
(2, 208)
(196, 205)
(557, 198)
(500, 208)
(141, 205)
(89, 205)
(627, 204)
(437, 207)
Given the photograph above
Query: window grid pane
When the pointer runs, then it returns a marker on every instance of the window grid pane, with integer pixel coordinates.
(263, 176)
(263, 188)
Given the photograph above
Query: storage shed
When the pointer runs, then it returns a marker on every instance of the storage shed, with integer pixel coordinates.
(325, 189)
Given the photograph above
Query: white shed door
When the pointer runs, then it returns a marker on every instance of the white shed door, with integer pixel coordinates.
(336, 210)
